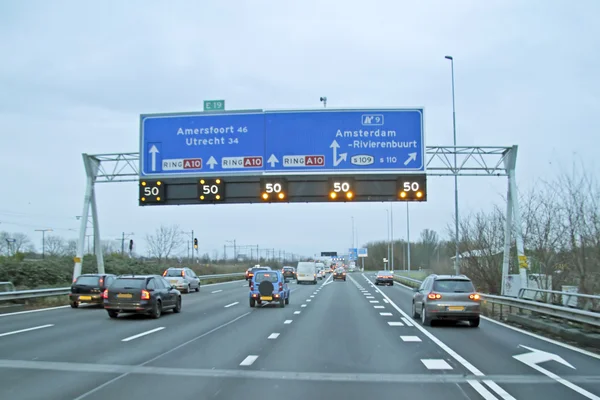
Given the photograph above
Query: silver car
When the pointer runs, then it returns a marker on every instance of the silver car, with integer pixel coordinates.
(446, 297)
(184, 279)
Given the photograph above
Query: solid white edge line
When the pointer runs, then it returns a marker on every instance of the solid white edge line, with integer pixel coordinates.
(441, 344)
(139, 335)
(486, 394)
(35, 328)
(232, 304)
(248, 361)
(407, 321)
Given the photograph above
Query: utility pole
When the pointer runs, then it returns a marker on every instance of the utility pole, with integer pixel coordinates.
(123, 242)
(407, 238)
(43, 240)
(392, 234)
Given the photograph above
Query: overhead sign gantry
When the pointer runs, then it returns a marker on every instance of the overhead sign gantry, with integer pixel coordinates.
(282, 156)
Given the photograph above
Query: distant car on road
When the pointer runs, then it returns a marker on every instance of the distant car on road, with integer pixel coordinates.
(269, 286)
(384, 278)
(88, 288)
(184, 279)
(254, 270)
(289, 272)
(339, 273)
(446, 297)
(141, 294)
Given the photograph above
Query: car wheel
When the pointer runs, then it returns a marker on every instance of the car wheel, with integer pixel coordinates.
(392, 284)
(177, 308)
(74, 304)
(198, 288)
(113, 314)
(474, 323)
(287, 300)
(189, 289)
(156, 310)
(344, 279)
(414, 311)
(281, 303)
(252, 303)
(425, 320)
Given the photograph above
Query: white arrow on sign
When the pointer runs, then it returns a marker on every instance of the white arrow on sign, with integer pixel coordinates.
(535, 357)
(411, 157)
(211, 162)
(343, 156)
(153, 150)
(272, 160)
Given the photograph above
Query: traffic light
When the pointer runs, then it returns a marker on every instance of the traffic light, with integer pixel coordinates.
(195, 243)
(130, 245)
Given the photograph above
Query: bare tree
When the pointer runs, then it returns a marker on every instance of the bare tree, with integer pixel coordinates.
(71, 247)
(22, 243)
(54, 245)
(111, 247)
(428, 244)
(164, 242)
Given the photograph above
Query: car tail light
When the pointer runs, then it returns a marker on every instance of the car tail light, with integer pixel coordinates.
(145, 295)
(434, 296)
(105, 294)
(474, 296)
(251, 286)
(280, 287)
(165, 273)
(183, 273)
(343, 273)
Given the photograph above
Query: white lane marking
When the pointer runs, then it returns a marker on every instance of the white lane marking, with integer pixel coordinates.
(312, 295)
(410, 338)
(308, 300)
(32, 311)
(395, 323)
(564, 345)
(407, 321)
(273, 336)
(486, 394)
(370, 297)
(139, 335)
(367, 294)
(217, 291)
(378, 306)
(287, 321)
(314, 292)
(385, 314)
(248, 361)
(244, 285)
(373, 301)
(297, 312)
(385, 301)
(451, 352)
(303, 305)
(436, 364)
(232, 304)
(35, 328)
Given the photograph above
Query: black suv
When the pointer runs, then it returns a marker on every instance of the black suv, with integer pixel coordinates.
(88, 288)
(289, 272)
(141, 294)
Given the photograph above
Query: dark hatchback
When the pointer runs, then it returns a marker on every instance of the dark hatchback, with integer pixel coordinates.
(88, 288)
(339, 273)
(141, 294)
(289, 272)
(384, 278)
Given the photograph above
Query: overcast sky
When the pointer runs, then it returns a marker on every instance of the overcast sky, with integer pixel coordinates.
(75, 76)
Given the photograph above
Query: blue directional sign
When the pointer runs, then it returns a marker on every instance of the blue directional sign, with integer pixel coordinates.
(280, 142)
(345, 141)
(353, 254)
(202, 144)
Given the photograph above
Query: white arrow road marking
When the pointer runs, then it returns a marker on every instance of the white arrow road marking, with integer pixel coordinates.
(535, 356)
(411, 157)
(211, 162)
(153, 150)
(272, 160)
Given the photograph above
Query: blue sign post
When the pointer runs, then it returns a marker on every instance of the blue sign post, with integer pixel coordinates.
(282, 142)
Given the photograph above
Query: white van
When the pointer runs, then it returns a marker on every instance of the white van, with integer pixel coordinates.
(306, 272)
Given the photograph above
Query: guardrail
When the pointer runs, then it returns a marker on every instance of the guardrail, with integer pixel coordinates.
(590, 301)
(567, 313)
(38, 293)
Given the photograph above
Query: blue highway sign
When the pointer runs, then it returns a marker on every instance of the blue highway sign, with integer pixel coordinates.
(345, 141)
(279, 142)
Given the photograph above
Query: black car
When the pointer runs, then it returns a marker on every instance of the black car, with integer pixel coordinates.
(141, 294)
(289, 272)
(88, 288)
(339, 273)
(384, 278)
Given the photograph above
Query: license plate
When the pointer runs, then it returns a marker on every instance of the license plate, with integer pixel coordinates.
(456, 308)
(125, 296)
(174, 281)
(266, 297)
(85, 297)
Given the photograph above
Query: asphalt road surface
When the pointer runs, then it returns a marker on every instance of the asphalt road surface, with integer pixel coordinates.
(335, 340)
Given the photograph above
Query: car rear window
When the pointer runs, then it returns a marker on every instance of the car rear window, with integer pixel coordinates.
(453, 286)
(288, 268)
(254, 270)
(384, 273)
(173, 272)
(135, 283)
(265, 276)
(87, 280)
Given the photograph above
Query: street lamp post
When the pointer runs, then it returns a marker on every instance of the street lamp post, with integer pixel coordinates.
(387, 266)
(43, 240)
(456, 223)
